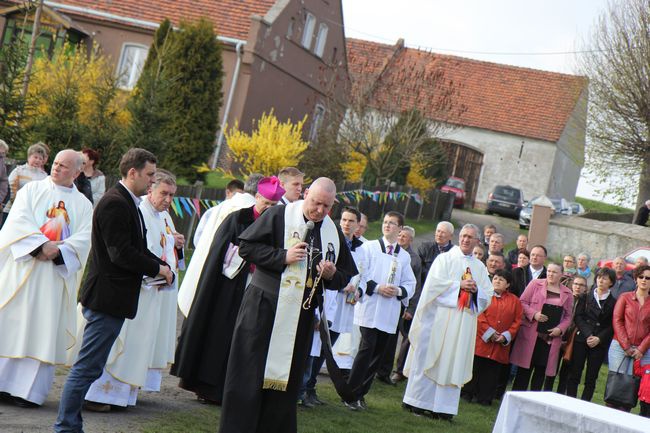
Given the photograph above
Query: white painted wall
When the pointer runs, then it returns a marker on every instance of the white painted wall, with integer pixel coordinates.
(504, 165)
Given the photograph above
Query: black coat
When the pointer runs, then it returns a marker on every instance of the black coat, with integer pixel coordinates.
(204, 344)
(521, 277)
(642, 216)
(119, 256)
(428, 252)
(83, 185)
(590, 319)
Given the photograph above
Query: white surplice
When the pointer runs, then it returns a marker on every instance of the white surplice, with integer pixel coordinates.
(146, 344)
(213, 220)
(377, 311)
(38, 298)
(442, 337)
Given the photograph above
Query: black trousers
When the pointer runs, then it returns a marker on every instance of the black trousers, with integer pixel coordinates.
(593, 357)
(645, 409)
(405, 327)
(388, 359)
(486, 373)
(539, 359)
(371, 351)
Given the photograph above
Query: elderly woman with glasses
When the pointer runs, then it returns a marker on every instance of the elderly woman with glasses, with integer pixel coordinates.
(631, 322)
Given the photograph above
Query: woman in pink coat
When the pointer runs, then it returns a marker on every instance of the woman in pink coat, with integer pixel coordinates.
(538, 353)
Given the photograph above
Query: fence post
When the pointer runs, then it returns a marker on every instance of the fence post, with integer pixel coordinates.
(197, 194)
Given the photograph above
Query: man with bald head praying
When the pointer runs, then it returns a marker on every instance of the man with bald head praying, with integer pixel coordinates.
(43, 249)
(274, 328)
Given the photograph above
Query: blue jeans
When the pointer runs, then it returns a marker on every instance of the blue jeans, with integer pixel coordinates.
(100, 333)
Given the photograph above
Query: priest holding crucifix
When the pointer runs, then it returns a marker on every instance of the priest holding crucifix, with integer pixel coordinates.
(274, 328)
(443, 332)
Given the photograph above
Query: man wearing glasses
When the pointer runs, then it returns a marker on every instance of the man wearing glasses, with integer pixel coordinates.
(387, 282)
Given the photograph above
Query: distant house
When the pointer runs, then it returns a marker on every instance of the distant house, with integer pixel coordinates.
(276, 52)
(520, 127)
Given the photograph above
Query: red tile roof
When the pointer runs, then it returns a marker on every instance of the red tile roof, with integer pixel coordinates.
(230, 17)
(514, 100)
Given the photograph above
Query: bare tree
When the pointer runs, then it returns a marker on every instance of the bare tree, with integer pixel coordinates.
(396, 102)
(617, 62)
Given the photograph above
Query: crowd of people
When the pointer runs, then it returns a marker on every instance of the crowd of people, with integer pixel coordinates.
(275, 290)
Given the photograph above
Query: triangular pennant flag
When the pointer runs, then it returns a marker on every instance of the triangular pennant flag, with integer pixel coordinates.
(197, 206)
(176, 206)
(186, 205)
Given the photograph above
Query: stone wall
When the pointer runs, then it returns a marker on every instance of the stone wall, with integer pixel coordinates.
(601, 239)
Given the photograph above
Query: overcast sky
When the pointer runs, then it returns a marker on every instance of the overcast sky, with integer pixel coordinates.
(528, 33)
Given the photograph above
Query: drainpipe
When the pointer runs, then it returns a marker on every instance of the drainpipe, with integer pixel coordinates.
(226, 112)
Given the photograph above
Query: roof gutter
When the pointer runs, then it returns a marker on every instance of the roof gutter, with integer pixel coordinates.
(226, 112)
(238, 43)
(128, 20)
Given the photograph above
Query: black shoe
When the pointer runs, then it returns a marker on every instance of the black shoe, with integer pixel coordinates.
(467, 397)
(362, 404)
(386, 380)
(407, 407)
(352, 405)
(313, 398)
(21, 402)
(443, 416)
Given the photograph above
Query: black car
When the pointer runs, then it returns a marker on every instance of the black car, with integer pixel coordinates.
(505, 200)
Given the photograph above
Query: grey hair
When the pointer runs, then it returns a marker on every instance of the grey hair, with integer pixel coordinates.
(586, 256)
(409, 229)
(643, 259)
(4, 146)
(250, 186)
(163, 176)
(37, 148)
(497, 235)
(447, 226)
(78, 161)
(471, 227)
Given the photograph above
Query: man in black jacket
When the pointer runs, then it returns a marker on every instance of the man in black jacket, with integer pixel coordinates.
(110, 293)
(534, 270)
(428, 251)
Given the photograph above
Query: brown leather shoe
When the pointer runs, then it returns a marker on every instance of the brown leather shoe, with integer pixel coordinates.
(397, 377)
(96, 407)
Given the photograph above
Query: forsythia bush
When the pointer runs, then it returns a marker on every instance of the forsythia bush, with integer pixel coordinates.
(354, 167)
(417, 179)
(271, 146)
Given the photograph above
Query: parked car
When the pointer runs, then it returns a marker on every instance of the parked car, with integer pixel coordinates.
(560, 206)
(457, 186)
(630, 258)
(505, 200)
(576, 208)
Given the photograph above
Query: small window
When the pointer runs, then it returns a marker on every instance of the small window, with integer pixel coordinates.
(319, 113)
(292, 23)
(308, 32)
(130, 65)
(321, 40)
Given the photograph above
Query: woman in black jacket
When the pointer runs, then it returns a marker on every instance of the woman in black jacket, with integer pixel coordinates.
(593, 319)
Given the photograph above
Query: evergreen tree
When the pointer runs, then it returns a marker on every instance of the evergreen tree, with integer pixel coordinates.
(149, 105)
(12, 64)
(195, 99)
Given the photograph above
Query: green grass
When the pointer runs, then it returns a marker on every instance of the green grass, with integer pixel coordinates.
(384, 415)
(421, 227)
(599, 206)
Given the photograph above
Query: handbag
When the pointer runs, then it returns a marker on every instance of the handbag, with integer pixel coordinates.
(622, 389)
(568, 348)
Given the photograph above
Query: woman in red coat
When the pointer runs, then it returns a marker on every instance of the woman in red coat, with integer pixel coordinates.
(497, 327)
(537, 353)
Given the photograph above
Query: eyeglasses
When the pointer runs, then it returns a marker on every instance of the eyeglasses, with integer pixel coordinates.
(390, 223)
(644, 277)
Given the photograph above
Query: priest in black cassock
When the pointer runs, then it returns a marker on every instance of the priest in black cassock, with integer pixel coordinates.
(204, 344)
(274, 328)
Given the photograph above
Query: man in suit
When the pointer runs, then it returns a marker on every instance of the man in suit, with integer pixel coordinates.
(534, 270)
(110, 293)
(428, 251)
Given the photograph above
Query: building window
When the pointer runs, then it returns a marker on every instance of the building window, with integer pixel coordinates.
(292, 23)
(319, 113)
(130, 65)
(308, 32)
(321, 39)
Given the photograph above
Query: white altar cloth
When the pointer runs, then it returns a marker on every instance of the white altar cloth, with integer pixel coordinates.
(548, 412)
